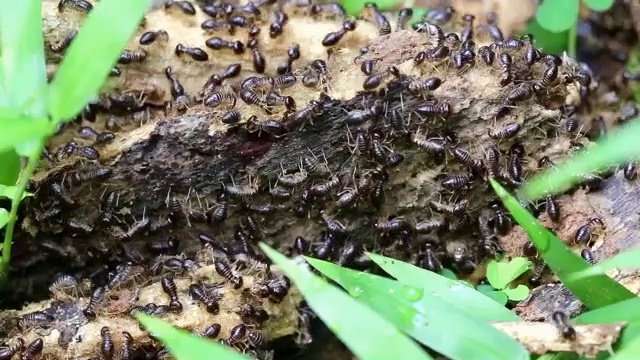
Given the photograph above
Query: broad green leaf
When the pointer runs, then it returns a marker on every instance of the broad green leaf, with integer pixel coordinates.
(631, 351)
(599, 5)
(10, 167)
(427, 318)
(615, 148)
(449, 290)
(381, 340)
(354, 7)
(501, 274)
(14, 131)
(4, 217)
(498, 296)
(594, 292)
(624, 260)
(10, 192)
(550, 42)
(186, 346)
(518, 293)
(87, 62)
(27, 148)
(558, 15)
(23, 62)
(449, 274)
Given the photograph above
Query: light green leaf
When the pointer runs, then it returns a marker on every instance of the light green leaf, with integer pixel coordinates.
(4, 217)
(186, 346)
(354, 7)
(624, 260)
(631, 351)
(23, 62)
(337, 310)
(10, 167)
(501, 274)
(615, 148)
(558, 15)
(78, 80)
(599, 5)
(497, 295)
(14, 131)
(518, 293)
(26, 149)
(449, 290)
(10, 192)
(550, 42)
(427, 318)
(594, 292)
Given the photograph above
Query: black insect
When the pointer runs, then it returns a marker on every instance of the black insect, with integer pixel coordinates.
(33, 350)
(529, 250)
(258, 60)
(219, 98)
(562, 322)
(255, 338)
(428, 84)
(106, 346)
(231, 71)
(128, 57)
(501, 222)
(237, 333)
(198, 292)
(454, 182)
(224, 269)
(212, 331)
(629, 171)
(150, 37)
(404, 15)
(277, 26)
(442, 109)
(94, 302)
(77, 226)
(104, 138)
(507, 132)
(231, 117)
(34, 319)
(588, 256)
(301, 245)
(367, 67)
(583, 234)
(333, 38)
(332, 225)
(394, 225)
(430, 260)
(61, 194)
(63, 44)
(136, 228)
(81, 5)
(127, 352)
(186, 7)
(7, 352)
(195, 53)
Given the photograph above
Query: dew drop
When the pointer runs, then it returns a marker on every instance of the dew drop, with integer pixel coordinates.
(357, 292)
(413, 294)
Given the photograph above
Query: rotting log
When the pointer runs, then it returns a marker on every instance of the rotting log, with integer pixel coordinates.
(167, 166)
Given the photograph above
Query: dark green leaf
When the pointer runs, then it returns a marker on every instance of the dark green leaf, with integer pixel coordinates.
(10, 167)
(558, 15)
(23, 63)
(449, 290)
(186, 346)
(616, 148)
(78, 80)
(338, 310)
(427, 318)
(594, 292)
(550, 42)
(599, 5)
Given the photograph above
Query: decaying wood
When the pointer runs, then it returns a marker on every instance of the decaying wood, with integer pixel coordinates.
(540, 338)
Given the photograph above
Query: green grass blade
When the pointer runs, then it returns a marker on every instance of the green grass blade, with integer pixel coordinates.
(622, 311)
(624, 260)
(630, 351)
(87, 62)
(184, 345)
(14, 131)
(459, 295)
(23, 63)
(429, 319)
(368, 335)
(614, 149)
(594, 292)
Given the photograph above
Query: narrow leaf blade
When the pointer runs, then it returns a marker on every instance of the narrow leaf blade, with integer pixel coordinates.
(183, 345)
(459, 295)
(87, 62)
(338, 311)
(624, 260)
(429, 319)
(614, 149)
(23, 62)
(594, 292)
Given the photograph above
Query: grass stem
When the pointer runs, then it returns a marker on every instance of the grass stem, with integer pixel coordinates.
(573, 40)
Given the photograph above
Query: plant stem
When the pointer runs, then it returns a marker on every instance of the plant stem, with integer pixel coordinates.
(573, 40)
(15, 203)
